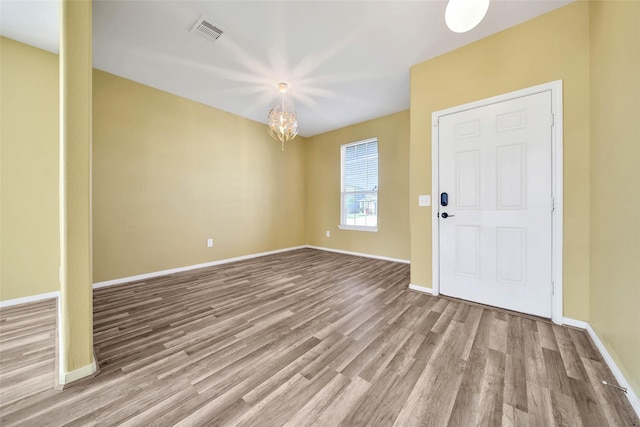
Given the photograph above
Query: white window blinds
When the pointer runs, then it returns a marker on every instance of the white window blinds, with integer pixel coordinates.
(359, 192)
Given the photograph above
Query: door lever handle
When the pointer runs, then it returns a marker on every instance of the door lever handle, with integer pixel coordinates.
(445, 215)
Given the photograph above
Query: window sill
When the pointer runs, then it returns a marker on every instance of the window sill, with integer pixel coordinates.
(358, 228)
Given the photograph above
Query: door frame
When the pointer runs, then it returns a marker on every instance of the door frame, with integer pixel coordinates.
(556, 185)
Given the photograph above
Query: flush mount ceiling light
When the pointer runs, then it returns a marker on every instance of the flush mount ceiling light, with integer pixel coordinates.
(463, 15)
(283, 124)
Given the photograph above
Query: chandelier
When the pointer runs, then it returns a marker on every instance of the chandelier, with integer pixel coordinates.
(283, 124)
(463, 15)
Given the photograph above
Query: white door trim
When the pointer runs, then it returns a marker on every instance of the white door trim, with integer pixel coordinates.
(557, 184)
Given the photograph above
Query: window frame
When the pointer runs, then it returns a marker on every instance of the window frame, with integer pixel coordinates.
(343, 225)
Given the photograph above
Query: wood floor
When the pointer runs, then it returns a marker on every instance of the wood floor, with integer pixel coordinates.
(305, 338)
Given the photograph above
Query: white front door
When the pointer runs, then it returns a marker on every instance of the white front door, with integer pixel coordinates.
(495, 232)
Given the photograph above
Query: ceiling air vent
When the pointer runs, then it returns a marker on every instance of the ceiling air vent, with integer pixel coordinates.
(207, 30)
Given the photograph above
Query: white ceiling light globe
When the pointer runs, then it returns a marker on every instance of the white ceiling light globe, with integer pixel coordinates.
(463, 15)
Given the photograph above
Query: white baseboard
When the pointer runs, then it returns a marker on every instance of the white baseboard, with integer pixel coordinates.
(420, 288)
(85, 371)
(622, 381)
(384, 258)
(122, 280)
(617, 373)
(32, 298)
(574, 323)
(138, 277)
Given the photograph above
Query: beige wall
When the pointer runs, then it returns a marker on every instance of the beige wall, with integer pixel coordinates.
(75, 305)
(30, 252)
(323, 188)
(615, 175)
(168, 173)
(551, 47)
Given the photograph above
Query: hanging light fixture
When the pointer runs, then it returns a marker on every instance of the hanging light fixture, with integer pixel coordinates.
(463, 15)
(283, 124)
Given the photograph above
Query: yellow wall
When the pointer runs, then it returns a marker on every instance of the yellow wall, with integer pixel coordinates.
(75, 305)
(554, 46)
(615, 175)
(168, 173)
(30, 252)
(323, 188)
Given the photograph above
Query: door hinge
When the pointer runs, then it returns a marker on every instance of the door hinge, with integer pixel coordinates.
(435, 124)
(553, 119)
(553, 204)
(553, 288)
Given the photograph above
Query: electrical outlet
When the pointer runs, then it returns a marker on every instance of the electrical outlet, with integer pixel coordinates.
(209, 243)
(328, 233)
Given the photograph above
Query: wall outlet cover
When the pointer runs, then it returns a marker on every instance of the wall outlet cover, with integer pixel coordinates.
(424, 200)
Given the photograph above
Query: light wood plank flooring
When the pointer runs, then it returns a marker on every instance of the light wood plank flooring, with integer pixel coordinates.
(305, 338)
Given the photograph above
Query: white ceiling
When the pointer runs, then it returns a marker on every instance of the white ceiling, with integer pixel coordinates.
(345, 61)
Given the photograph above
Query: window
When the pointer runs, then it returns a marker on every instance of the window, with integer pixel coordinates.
(359, 185)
